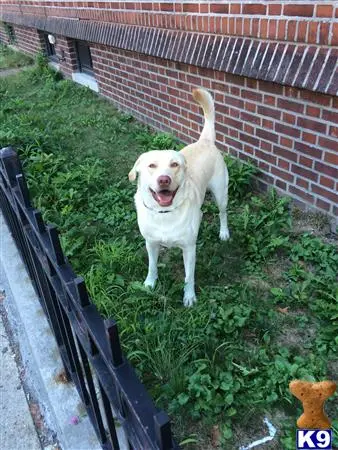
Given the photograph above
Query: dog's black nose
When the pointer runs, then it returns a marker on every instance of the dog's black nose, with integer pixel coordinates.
(164, 180)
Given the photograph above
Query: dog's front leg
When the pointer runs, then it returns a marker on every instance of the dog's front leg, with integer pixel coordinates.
(153, 249)
(189, 257)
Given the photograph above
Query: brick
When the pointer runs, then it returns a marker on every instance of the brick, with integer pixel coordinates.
(269, 112)
(306, 162)
(281, 185)
(302, 183)
(333, 131)
(313, 32)
(255, 96)
(330, 116)
(219, 9)
(308, 150)
(289, 118)
(266, 146)
(254, 9)
(311, 124)
(263, 28)
(292, 106)
(281, 29)
(304, 195)
(302, 31)
(327, 182)
(324, 10)
(327, 170)
(325, 193)
(322, 204)
(309, 137)
(168, 7)
(235, 8)
(250, 118)
(334, 40)
(315, 97)
(286, 142)
(328, 143)
(289, 131)
(247, 27)
(303, 172)
(324, 33)
(287, 176)
(267, 135)
(331, 158)
(265, 156)
(274, 9)
(298, 10)
(292, 28)
(249, 139)
(283, 164)
(313, 111)
(190, 7)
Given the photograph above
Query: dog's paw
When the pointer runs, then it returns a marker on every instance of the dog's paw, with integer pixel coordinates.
(149, 283)
(224, 235)
(189, 300)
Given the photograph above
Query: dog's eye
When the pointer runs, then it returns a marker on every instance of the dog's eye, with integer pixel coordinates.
(174, 164)
(152, 166)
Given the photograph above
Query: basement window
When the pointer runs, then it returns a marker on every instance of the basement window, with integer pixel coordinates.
(50, 49)
(85, 74)
(9, 29)
(84, 57)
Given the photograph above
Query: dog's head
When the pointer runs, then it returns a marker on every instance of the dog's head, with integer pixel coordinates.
(161, 174)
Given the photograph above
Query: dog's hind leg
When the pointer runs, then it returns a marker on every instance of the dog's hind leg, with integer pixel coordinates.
(153, 249)
(218, 185)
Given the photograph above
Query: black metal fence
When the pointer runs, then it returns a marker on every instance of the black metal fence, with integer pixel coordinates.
(89, 346)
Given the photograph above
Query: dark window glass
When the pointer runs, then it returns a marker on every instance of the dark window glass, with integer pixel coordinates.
(10, 33)
(84, 57)
(50, 49)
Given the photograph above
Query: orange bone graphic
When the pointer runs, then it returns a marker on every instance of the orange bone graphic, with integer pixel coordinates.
(313, 397)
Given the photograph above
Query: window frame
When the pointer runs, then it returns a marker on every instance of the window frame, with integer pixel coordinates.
(50, 49)
(83, 67)
(10, 33)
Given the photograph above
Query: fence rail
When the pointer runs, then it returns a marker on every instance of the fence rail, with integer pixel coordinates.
(89, 346)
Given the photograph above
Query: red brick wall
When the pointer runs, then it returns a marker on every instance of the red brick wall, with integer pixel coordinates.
(3, 35)
(26, 39)
(283, 20)
(290, 133)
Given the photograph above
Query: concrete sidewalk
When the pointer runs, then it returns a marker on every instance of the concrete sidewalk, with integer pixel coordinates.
(17, 427)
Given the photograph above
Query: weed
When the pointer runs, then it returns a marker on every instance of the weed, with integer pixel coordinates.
(10, 59)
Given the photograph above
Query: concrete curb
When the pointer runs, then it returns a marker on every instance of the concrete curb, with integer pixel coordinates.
(58, 402)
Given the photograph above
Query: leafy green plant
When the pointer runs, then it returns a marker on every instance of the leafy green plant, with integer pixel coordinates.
(240, 177)
(10, 59)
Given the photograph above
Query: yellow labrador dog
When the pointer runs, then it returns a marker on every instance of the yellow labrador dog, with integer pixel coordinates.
(171, 190)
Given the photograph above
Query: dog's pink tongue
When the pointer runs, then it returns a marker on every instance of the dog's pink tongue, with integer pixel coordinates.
(164, 198)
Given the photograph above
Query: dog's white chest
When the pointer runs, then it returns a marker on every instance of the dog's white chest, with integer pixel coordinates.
(176, 228)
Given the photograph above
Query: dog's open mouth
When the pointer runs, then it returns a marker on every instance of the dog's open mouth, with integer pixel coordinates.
(164, 197)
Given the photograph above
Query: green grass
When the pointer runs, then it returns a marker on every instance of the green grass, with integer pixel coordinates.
(227, 361)
(11, 59)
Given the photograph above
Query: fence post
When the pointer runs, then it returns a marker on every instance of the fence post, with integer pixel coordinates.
(55, 243)
(113, 342)
(23, 190)
(81, 291)
(11, 164)
(163, 431)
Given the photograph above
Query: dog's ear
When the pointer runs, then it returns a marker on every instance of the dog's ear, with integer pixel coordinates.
(133, 173)
(183, 161)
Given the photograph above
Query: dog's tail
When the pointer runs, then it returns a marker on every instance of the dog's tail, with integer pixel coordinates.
(203, 98)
